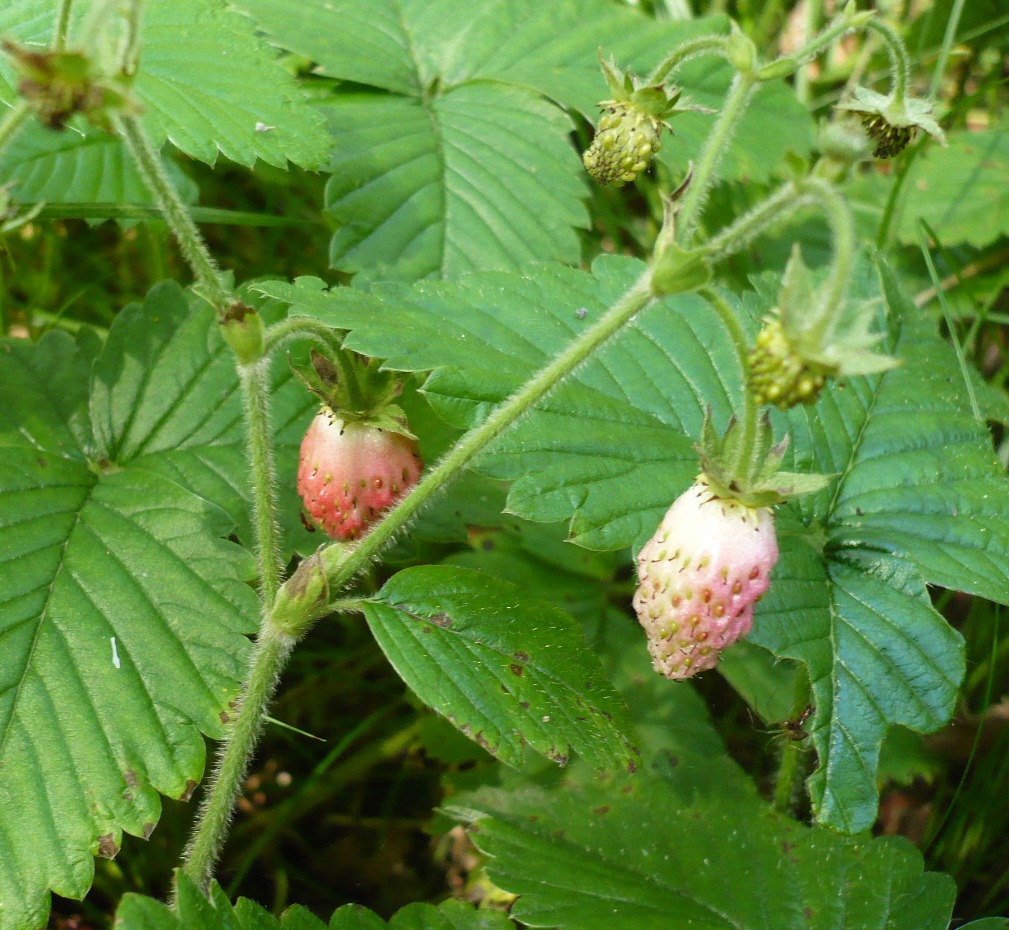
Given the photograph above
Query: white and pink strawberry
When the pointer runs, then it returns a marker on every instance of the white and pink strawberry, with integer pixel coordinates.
(700, 576)
(351, 471)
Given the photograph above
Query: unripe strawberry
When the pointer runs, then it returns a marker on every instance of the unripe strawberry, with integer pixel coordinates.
(625, 144)
(351, 471)
(779, 374)
(700, 575)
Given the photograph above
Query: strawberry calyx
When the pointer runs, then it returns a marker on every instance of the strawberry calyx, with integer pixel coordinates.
(356, 388)
(748, 469)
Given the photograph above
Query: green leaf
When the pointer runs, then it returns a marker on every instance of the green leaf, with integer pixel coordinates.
(918, 475)
(195, 912)
(206, 81)
(65, 167)
(960, 190)
(629, 856)
(122, 612)
(877, 655)
(479, 177)
(506, 669)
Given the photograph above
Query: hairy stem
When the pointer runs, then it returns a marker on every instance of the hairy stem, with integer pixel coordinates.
(174, 211)
(702, 45)
(254, 381)
(295, 327)
(773, 209)
(812, 19)
(718, 140)
(900, 62)
(748, 434)
(341, 566)
(842, 228)
(269, 656)
(836, 28)
(790, 766)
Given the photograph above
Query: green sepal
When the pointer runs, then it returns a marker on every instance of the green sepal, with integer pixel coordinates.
(676, 270)
(755, 480)
(303, 598)
(356, 388)
(740, 50)
(243, 330)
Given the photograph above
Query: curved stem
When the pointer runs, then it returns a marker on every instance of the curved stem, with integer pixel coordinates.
(174, 211)
(748, 434)
(836, 28)
(702, 45)
(842, 227)
(717, 142)
(269, 656)
(295, 327)
(255, 388)
(900, 63)
(773, 209)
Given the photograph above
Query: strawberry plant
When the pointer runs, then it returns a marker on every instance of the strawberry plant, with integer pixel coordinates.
(568, 368)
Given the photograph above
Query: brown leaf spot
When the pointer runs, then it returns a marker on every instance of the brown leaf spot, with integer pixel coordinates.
(516, 669)
(131, 778)
(188, 793)
(522, 656)
(443, 620)
(148, 829)
(107, 848)
(604, 809)
(524, 705)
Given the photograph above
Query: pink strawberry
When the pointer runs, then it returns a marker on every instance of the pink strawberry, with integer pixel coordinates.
(350, 471)
(700, 575)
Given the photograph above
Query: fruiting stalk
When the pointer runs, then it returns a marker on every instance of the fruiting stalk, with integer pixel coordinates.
(900, 62)
(843, 242)
(255, 388)
(786, 200)
(744, 463)
(718, 140)
(269, 656)
(702, 45)
(174, 212)
(341, 567)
